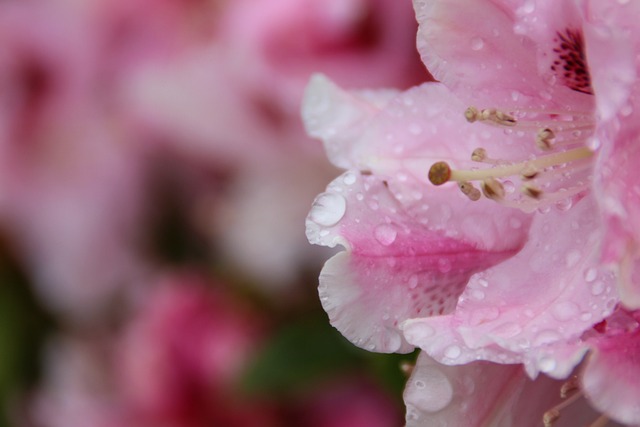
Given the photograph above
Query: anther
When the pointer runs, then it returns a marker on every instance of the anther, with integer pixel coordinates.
(553, 414)
(439, 173)
(471, 114)
(569, 387)
(493, 189)
(545, 138)
(531, 191)
(469, 190)
(550, 417)
(479, 154)
(529, 172)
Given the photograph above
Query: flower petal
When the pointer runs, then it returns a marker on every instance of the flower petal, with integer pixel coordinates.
(481, 394)
(406, 257)
(546, 294)
(611, 379)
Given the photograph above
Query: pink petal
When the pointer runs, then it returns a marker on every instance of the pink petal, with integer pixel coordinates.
(406, 257)
(613, 42)
(482, 394)
(611, 379)
(549, 293)
(391, 133)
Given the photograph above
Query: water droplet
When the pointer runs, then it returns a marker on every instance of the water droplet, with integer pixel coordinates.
(564, 204)
(477, 294)
(385, 234)
(546, 337)
(565, 310)
(453, 352)
(528, 7)
(413, 281)
(434, 394)
(328, 209)
(415, 129)
(359, 197)
(573, 257)
(373, 204)
(585, 316)
(597, 288)
(477, 43)
(349, 178)
(515, 95)
(444, 265)
(590, 274)
(594, 143)
(547, 364)
(483, 282)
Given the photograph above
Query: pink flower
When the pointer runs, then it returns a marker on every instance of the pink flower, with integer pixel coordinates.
(70, 178)
(516, 276)
(177, 363)
(348, 402)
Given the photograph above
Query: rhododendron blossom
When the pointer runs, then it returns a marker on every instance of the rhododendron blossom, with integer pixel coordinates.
(509, 259)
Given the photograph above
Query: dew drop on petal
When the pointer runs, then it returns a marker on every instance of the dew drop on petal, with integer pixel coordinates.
(573, 257)
(413, 281)
(444, 265)
(328, 209)
(565, 310)
(477, 43)
(453, 352)
(597, 288)
(547, 364)
(385, 234)
(430, 392)
(546, 337)
(590, 274)
(349, 178)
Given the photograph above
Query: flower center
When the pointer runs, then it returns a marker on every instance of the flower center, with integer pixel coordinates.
(555, 174)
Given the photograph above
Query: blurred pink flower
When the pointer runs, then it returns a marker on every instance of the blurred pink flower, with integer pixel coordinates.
(176, 363)
(233, 103)
(70, 192)
(348, 402)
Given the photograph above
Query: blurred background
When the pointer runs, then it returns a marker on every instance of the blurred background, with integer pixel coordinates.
(154, 180)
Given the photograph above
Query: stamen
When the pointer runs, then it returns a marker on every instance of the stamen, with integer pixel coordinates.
(529, 172)
(472, 114)
(492, 189)
(545, 139)
(569, 387)
(601, 421)
(479, 154)
(553, 414)
(440, 172)
(470, 191)
(531, 191)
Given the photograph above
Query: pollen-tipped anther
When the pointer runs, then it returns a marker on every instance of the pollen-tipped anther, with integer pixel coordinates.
(471, 114)
(469, 190)
(439, 173)
(569, 387)
(545, 138)
(531, 191)
(493, 189)
(529, 172)
(550, 417)
(479, 154)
